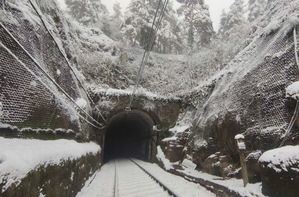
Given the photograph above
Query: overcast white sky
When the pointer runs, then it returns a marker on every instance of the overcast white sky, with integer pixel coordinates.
(216, 7)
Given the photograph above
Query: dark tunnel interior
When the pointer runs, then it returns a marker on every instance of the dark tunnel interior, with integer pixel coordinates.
(128, 135)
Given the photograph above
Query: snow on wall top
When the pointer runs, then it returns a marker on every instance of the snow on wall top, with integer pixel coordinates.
(129, 91)
(20, 156)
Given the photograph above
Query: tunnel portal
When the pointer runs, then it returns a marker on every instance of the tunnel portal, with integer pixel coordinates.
(129, 135)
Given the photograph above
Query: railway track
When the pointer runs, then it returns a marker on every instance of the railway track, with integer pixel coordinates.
(135, 178)
(140, 182)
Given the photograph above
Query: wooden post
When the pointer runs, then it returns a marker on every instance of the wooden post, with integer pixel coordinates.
(243, 168)
(241, 149)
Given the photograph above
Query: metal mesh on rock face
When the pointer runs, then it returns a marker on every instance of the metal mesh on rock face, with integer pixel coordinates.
(250, 97)
(28, 97)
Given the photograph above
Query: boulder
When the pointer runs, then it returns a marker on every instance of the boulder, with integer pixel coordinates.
(280, 171)
(218, 164)
(253, 167)
(175, 147)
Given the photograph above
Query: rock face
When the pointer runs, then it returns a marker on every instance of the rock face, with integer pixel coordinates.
(248, 96)
(33, 68)
(41, 96)
(175, 147)
(280, 171)
(219, 165)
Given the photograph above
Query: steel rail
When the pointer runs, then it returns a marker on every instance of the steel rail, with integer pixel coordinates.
(115, 180)
(166, 188)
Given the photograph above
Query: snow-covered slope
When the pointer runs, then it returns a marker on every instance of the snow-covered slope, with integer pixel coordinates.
(248, 95)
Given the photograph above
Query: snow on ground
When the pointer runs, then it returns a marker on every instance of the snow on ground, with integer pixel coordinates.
(292, 91)
(180, 128)
(282, 158)
(20, 156)
(186, 188)
(188, 164)
(251, 190)
(81, 102)
(183, 125)
(173, 138)
(100, 185)
(161, 157)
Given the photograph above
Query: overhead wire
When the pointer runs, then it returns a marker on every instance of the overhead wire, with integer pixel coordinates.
(149, 47)
(142, 64)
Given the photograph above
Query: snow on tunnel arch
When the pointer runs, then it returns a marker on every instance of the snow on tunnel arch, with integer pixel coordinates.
(128, 134)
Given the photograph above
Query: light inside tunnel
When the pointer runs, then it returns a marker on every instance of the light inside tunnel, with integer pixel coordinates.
(128, 135)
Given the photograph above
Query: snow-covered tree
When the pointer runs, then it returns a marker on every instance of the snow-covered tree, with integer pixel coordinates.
(117, 10)
(169, 34)
(115, 22)
(136, 17)
(234, 17)
(256, 9)
(99, 8)
(137, 28)
(223, 19)
(197, 17)
(80, 10)
(88, 12)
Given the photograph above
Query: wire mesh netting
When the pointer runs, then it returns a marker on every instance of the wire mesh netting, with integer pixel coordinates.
(250, 97)
(30, 59)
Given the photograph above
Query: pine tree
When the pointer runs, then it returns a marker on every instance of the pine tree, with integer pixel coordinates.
(116, 21)
(80, 11)
(117, 10)
(223, 19)
(88, 12)
(197, 16)
(256, 8)
(99, 8)
(133, 21)
(234, 17)
(137, 28)
(168, 36)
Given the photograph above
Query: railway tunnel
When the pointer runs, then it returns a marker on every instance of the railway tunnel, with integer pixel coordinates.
(129, 134)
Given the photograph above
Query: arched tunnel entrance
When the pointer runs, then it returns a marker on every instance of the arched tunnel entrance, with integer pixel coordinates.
(129, 135)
